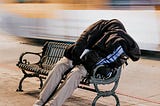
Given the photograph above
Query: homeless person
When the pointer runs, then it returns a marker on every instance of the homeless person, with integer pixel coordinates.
(102, 39)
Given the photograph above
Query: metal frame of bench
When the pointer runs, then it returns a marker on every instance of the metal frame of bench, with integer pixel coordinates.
(51, 53)
(97, 81)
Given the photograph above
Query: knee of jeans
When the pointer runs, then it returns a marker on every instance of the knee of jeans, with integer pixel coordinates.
(75, 78)
(79, 72)
(82, 70)
(58, 69)
(64, 62)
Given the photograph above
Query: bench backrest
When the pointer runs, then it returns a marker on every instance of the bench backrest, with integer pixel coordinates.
(53, 52)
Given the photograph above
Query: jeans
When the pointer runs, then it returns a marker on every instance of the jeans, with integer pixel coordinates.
(67, 88)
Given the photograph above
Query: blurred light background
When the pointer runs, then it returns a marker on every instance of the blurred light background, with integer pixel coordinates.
(66, 19)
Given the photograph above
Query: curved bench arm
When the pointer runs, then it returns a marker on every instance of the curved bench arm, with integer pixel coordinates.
(22, 59)
(101, 93)
(105, 81)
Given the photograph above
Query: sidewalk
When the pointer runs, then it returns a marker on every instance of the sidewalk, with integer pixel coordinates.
(139, 84)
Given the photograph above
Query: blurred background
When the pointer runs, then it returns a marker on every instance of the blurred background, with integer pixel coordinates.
(66, 19)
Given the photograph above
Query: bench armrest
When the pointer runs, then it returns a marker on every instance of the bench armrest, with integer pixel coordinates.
(23, 57)
(105, 81)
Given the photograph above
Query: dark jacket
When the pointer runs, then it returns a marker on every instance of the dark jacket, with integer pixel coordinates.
(113, 39)
(96, 36)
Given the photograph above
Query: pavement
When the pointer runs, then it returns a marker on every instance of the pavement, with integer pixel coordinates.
(139, 83)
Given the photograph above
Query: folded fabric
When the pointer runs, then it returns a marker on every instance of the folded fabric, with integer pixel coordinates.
(111, 57)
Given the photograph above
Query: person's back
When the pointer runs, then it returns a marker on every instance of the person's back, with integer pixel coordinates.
(90, 37)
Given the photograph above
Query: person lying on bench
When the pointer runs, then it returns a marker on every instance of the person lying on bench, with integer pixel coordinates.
(102, 37)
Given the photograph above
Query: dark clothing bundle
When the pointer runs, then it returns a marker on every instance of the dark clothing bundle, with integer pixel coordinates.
(104, 37)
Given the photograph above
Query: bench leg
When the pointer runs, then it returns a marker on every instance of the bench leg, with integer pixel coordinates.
(20, 84)
(105, 95)
(95, 100)
(28, 75)
(41, 82)
(23, 78)
(117, 99)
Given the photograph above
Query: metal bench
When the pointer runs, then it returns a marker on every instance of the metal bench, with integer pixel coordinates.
(51, 53)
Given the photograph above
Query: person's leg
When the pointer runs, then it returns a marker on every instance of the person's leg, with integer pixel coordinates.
(53, 80)
(69, 86)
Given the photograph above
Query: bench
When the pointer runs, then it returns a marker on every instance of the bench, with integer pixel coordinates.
(51, 53)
